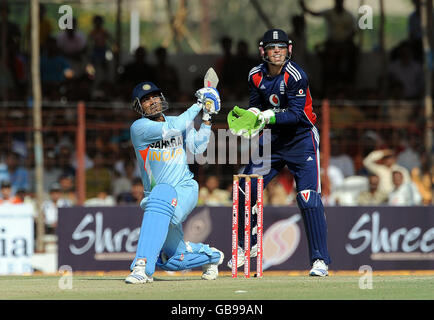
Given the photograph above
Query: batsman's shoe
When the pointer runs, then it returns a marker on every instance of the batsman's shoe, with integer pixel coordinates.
(240, 256)
(319, 269)
(210, 270)
(138, 274)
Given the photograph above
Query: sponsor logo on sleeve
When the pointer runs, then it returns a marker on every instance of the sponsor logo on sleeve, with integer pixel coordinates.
(300, 93)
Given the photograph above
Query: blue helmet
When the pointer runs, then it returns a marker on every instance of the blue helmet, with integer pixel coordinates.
(144, 89)
(274, 36)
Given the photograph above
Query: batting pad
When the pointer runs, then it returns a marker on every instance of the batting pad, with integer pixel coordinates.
(312, 209)
(197, 255)
(160, 207)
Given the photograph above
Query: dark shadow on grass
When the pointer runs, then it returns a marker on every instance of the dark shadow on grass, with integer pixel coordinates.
(103, 279)
(177, 279)
(155, 279)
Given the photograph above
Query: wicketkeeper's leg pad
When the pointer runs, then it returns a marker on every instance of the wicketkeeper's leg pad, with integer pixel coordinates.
(315, 224)
(160, 208)
(196, 255)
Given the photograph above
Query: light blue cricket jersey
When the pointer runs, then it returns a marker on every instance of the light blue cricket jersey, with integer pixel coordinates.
(161, 147)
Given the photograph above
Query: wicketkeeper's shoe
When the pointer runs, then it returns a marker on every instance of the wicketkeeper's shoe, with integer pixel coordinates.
(254, 251)
(319, 269)
(210, 270)
(138, 274)
(240, 256)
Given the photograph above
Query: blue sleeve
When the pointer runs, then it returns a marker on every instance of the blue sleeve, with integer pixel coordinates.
(254, 96)
(296, 93)
(197, 141)
(146, 130)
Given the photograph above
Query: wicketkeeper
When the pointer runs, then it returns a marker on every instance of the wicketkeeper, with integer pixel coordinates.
(280, 100)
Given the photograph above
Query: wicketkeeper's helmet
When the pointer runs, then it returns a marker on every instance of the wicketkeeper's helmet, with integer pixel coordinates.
(144, 89)
(275, 36)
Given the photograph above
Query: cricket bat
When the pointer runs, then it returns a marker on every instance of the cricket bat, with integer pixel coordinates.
(211, 79)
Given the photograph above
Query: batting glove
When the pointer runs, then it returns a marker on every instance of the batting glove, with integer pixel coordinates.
(209, 99)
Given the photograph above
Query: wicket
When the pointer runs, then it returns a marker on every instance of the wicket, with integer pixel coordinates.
(247, 218)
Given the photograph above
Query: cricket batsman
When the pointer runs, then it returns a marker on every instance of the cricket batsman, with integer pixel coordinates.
(280, 100)
(170, 192)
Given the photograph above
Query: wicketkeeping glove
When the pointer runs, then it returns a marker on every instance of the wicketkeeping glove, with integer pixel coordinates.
(209, 99)
(248, 123)
(267, 116)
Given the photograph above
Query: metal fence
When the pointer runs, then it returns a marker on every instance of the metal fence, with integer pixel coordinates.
(347, 127)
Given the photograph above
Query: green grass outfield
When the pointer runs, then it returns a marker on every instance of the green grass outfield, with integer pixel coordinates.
(273, 286)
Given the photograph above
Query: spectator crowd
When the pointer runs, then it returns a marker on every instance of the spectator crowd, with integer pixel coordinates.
(79, 65)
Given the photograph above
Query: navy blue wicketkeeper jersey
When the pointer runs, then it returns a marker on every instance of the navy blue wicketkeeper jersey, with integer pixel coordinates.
(289, 96)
